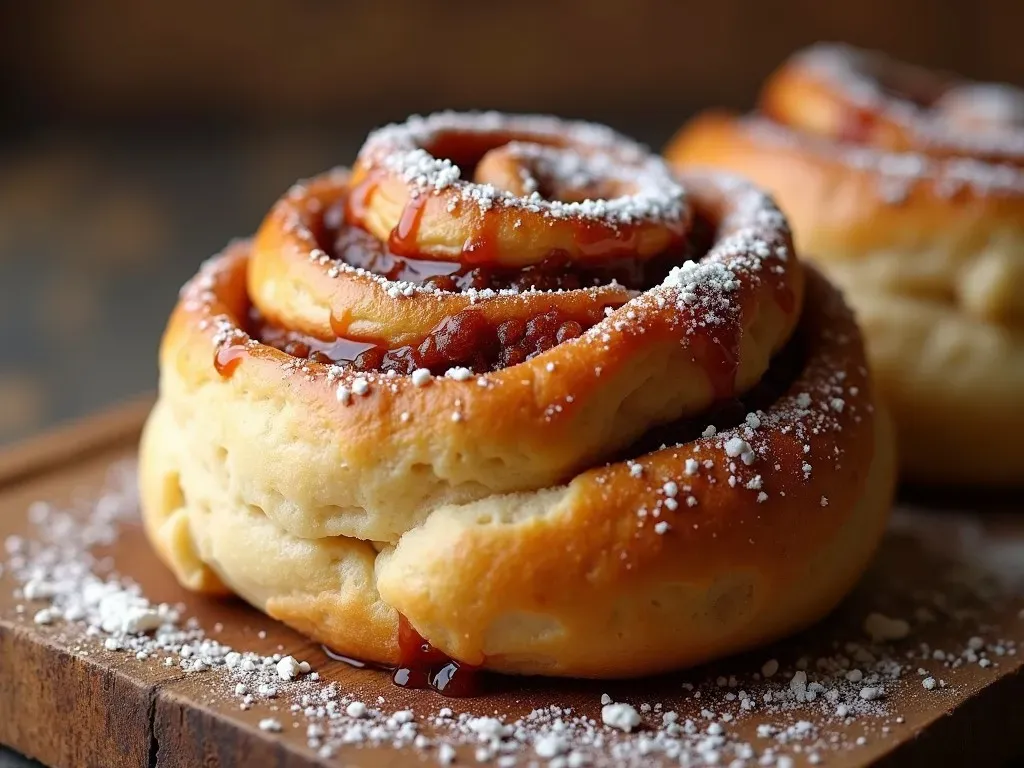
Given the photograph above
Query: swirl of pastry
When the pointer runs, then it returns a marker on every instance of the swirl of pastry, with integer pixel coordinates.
(540, 186)
(867, 98)
(907, 186)
(351, 431)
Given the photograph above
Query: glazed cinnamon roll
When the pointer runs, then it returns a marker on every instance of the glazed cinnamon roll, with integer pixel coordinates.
(510, 388)
(907, 186)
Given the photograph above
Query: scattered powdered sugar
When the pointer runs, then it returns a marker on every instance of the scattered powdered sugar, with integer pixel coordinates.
(691, 276)
(62, 570)
(459, 373)
(842, 697)
(420, 130)
(645, 187)
(993, 104)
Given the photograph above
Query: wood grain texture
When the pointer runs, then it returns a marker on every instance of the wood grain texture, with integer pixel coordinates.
(48, 695)
(68, 702)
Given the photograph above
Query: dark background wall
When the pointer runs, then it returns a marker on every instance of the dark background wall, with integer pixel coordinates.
(270, 60)
(137, 137)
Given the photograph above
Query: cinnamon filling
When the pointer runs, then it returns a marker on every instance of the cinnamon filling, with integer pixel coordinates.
(467, 339)
(358, 248)
(464, 340)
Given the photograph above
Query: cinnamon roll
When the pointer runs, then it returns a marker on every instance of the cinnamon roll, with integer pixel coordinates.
(907, 187)
(511, 388)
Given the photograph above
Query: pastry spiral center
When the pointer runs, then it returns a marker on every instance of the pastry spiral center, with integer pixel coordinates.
(509, 192)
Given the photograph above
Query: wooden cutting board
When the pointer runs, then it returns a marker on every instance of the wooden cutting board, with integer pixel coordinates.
(950, 569)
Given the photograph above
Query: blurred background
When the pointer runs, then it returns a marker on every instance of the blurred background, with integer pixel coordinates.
(137, 138)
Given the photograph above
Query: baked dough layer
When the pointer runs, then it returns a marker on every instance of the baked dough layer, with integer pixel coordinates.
(570, 579)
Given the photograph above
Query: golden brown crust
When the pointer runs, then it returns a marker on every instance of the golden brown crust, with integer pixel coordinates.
(928, 245)
(342, 496)
(519, 428)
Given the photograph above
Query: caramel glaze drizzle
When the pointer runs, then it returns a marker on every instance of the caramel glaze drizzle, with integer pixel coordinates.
(358, 248)
(402, 240)
(467, 339)
(227, 358)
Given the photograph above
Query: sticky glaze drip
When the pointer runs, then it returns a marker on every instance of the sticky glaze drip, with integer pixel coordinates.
(421, 666)
(227, 358)
(721, 356)
(402, 241)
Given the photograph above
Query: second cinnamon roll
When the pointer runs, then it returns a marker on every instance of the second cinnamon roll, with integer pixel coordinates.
(907, 187)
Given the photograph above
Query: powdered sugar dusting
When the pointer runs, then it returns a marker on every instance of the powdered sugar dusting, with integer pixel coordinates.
(899, 173)
(564, 149)
(753, 248)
